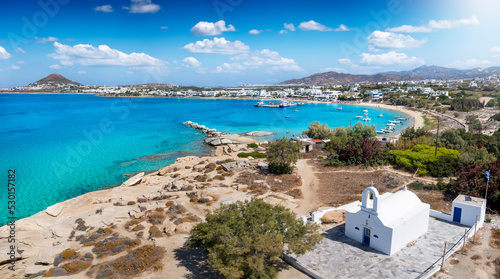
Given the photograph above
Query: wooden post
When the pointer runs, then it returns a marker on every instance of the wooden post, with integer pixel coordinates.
(444, 254)
(465, 241)
(475, 230)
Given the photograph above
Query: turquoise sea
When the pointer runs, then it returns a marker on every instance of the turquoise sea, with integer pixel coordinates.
(62, 146)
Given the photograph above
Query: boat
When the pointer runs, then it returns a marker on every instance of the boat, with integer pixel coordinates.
(300, 104)
(359, 116)
(395, 121)
(366, 119)
(287, 116)
(402, 118)
(365, 110)
(380, 132)
(397, 116)
(391, 124)
(259, 104)
(380, 115)
(284, 104)
(339, 108)
(296, 110)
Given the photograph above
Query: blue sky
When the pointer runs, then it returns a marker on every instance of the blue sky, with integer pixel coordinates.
(234, 42)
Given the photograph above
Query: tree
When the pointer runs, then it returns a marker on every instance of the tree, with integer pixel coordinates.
(473, 122)
(245, 239)
(316, 130)
(282, 155)
(451, 139)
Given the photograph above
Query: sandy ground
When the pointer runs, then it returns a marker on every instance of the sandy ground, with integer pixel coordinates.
(480, 260)
(309, 188)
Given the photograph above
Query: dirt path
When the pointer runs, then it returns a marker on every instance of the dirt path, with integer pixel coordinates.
(310, 184)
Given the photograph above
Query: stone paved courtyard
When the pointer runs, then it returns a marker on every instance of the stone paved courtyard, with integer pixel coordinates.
(341, 257)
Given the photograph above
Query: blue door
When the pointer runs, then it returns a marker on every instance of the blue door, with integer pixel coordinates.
(366, 237)
(457, 214)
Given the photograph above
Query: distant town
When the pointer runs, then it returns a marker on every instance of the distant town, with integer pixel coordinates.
(430, 89)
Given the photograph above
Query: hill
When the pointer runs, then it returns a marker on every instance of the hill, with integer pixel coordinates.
(334, 77)
(55, 79)
(423, 72)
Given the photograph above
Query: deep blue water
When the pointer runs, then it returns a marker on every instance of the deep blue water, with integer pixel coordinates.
(62, 146)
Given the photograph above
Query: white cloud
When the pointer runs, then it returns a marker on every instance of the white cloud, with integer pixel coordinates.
(15, 67)
(142, 7)
(255, 32)
(217, 45)
(46, 40)
(435, 25)
(164, 27)
(191, 62)
(345, 61)
(229, 68)
(4, 54)
(342, 27)
(21, 50)
(313, 26)
(283, 31)
(469, 63)
(289, 26)
(104, 9)
(55, 66)
(204, 28)
(268, 58)
(387, 40)
(82, 72)
(130, 72)
(89, 55)
(390, 58)
(496, 51)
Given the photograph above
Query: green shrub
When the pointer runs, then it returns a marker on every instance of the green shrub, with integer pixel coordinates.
(422, 159)
(252, 145)
(254, 154)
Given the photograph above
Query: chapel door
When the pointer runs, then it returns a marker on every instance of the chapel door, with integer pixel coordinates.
(366, 238)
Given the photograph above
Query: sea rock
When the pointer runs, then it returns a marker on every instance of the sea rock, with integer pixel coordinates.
(259, 133)
(134, 180)
(54, 210)
(215, 142)
(226, 141)
(59, 272)
(334, 217)
(46, 256)
(240, 164)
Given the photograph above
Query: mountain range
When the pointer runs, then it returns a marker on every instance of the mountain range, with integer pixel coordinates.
(423, 72)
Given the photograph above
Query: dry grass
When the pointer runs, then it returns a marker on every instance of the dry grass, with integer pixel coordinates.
(295, 193)
(495, 238)
(132, 265)
(284, 182)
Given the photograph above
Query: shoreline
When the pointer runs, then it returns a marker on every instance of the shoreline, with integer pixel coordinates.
(417, 123)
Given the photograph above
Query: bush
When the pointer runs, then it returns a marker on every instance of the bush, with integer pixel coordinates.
(254, 154)
(282, 155)
(245, 239)
(252, 145)
(316, 130)
(422, 158)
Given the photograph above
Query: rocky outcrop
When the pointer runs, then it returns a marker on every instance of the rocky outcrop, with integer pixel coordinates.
(334, 217)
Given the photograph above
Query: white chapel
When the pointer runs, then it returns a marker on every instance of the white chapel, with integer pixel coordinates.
(387, 222)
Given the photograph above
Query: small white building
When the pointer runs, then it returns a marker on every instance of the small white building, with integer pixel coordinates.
(465, 209)
(387, 222)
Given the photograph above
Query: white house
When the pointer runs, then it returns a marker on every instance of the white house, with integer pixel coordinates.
(387, 222)
(465, 209)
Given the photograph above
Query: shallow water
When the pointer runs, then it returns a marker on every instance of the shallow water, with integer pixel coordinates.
(62, 146)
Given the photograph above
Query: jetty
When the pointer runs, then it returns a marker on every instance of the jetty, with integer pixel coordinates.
(208, 131)
(214, 137)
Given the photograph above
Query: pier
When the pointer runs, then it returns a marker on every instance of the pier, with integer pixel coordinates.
(208, 131)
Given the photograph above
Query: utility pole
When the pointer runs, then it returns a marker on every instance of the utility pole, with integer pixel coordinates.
(437, 139)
